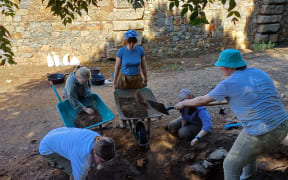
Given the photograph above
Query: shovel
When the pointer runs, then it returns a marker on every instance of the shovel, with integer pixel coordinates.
(161, 107)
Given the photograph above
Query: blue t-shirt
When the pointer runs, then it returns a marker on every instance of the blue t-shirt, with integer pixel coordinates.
(199, 116)
(254, 100)
(74, 144)
(130, 59)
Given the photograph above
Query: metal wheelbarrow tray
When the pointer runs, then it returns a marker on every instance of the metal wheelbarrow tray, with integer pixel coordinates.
(140, 129)
(68, 113)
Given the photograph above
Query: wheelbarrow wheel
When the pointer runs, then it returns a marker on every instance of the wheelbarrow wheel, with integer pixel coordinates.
(141, 133)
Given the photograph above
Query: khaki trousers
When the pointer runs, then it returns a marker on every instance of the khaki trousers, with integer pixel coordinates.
(242, 155)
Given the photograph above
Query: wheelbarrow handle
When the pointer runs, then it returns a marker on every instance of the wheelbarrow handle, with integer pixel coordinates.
(59, 98)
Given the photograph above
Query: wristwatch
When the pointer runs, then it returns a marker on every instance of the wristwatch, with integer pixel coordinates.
(197, 137)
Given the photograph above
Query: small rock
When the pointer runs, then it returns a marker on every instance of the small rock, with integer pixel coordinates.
(9, 81)
(285, 141)
(198, 168)
(206, 164)
(218, 154)
(189, 157)
(25, 148)
(283, 95)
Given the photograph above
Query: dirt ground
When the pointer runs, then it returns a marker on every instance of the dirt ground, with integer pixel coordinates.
(28, 111)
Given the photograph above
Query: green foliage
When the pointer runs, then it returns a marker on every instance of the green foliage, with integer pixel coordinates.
(196, 9)
(136, 3)
(6, 54)
(68, 9)
(262, 46)
(8, 7)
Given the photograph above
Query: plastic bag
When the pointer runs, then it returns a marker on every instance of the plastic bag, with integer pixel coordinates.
(66, 60)
(56, 60)
(50, 61)
(74, 61)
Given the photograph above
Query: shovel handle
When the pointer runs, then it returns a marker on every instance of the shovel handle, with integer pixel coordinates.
(169, 108)
(216, 103)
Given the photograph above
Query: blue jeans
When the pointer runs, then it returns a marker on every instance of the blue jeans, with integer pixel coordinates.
(242, 155)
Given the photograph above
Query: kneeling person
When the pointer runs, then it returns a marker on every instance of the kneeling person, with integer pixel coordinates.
(75, 150)
(194, 122)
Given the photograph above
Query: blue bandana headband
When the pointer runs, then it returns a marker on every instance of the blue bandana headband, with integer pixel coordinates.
(130, 34)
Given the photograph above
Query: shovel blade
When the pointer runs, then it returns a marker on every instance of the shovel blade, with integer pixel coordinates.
(158, 106)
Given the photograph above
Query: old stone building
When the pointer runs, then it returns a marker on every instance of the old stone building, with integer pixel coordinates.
(98, 34)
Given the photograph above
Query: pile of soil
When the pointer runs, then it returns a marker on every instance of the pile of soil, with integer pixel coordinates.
(131, 108)
(84, 120)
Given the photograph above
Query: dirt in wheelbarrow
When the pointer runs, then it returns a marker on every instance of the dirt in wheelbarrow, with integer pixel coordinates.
(85, 120)
(132, 108)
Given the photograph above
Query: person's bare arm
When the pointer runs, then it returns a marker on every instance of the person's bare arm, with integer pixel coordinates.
(116, 72)
(144, 70)
(201, 134)
(198, 101)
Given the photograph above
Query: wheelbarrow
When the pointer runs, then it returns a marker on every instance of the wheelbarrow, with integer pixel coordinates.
(139, 125)
(68, 114)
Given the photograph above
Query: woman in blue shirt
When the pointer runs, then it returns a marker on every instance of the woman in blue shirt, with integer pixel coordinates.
(254, 100)
(194, 123)
(129, 60)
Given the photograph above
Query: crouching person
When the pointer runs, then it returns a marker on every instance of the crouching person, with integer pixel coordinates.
(75, 150)
(194, 122)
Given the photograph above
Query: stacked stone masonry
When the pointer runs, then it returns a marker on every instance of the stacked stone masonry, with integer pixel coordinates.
(162, 33)
(269, 21)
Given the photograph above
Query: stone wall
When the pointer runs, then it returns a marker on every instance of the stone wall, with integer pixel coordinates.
(162, 33)
(269, 20)
(283, 34)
